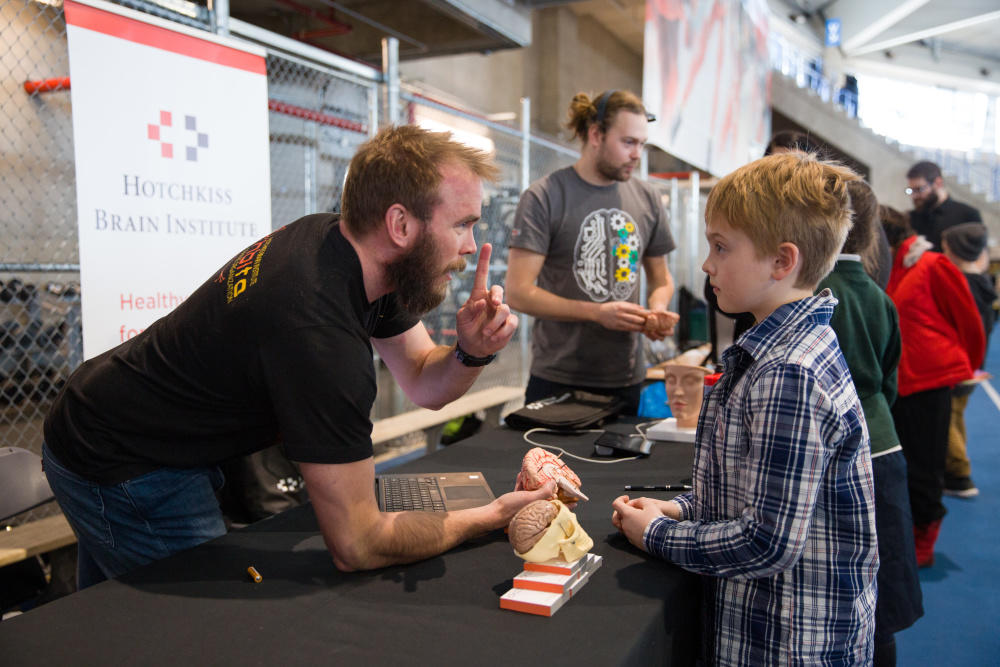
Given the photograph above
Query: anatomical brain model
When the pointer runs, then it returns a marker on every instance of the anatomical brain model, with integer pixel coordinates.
(546, 530)
(540, 466)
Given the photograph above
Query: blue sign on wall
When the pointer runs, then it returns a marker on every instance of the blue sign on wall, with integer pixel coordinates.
(833, 32)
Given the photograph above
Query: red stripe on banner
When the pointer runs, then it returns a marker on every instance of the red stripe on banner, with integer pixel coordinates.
(108, 23)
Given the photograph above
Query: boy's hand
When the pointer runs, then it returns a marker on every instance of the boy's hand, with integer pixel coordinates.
(632, 516)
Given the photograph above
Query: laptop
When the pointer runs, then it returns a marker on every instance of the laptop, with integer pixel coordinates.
(432, 492)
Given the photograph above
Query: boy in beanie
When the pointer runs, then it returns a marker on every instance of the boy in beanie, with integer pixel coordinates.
(965, 246)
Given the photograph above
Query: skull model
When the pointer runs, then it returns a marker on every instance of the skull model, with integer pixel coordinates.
(546, 530)
(540, 466)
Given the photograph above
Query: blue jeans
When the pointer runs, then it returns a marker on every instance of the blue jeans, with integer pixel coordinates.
(122, 526)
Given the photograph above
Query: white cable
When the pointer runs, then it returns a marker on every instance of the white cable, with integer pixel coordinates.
(563, 452)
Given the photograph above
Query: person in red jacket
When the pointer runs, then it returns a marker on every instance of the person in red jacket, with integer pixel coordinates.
(942, 344)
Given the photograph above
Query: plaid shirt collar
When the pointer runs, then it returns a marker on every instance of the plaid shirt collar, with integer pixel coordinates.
(761, 337)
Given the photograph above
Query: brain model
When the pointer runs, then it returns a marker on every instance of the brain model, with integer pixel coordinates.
(540, 466)
(546, 530)
(530, 523)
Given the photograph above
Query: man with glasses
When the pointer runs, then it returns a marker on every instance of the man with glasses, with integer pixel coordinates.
(581, 236)
(933, 209)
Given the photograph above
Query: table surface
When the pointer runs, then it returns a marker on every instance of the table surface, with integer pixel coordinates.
(200, 607)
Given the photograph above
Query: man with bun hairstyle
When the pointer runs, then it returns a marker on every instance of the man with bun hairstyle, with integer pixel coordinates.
(581, 236)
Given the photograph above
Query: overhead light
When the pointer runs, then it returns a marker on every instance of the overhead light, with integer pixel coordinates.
(502, 116)
(50, 3)
(462, 131)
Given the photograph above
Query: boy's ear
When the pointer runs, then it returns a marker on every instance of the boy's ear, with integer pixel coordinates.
(786, 261)
(400, 225)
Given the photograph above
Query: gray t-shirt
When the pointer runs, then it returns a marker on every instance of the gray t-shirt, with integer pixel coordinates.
(594, 239)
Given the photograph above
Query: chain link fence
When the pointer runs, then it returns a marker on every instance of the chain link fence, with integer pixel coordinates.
(317, 121)
(507, 146)
(318, 117)
(39, 290)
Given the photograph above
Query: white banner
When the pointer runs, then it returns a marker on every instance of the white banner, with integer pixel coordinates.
(707, 76)
(170, 132)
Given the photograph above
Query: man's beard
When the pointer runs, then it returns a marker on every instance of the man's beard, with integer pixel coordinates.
(416, 277)
(929, 202)
(613, 173)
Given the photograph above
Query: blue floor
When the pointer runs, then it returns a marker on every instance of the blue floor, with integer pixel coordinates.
(961, 622)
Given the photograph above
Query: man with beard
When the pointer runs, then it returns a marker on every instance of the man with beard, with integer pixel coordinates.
(277, 346)
(580, 237)
(933, 209)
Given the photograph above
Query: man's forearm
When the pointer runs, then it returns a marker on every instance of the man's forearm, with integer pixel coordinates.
(545, 305)
(442, 378)
(406, 537)
(660, 290)
(659, 298)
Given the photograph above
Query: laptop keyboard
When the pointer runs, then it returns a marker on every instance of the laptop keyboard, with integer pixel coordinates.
(411, 493)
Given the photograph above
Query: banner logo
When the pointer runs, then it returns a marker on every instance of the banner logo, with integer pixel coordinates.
(191, 141)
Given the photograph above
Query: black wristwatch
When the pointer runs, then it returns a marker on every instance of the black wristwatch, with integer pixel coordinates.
(469, 360)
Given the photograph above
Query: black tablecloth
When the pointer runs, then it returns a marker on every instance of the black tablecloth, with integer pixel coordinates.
(199, 607)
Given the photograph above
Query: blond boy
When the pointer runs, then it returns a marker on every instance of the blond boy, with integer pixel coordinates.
(780, 518)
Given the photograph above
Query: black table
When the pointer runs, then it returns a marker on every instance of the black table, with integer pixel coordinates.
(199, 607)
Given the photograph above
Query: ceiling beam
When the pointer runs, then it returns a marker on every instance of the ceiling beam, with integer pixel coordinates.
(502, 19)
(863, 20)
(925, 33)
(914, 63)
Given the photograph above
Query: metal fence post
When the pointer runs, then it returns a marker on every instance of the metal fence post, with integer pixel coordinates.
(524, 340)
(390, 72)
(220, 16)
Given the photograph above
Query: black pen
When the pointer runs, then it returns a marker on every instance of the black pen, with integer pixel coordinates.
(657, 487)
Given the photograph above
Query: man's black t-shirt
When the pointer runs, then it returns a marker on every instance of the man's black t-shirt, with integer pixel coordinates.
(932, 223)
(275, 346)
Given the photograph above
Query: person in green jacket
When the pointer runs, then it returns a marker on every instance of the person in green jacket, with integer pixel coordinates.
(867, 327)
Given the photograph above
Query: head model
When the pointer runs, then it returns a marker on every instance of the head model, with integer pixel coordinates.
(547, 530)
(407, 180)
(613, 128)
(775, 228)
(685, 387)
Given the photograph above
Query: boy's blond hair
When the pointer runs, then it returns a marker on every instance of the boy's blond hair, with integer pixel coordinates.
(789, 198)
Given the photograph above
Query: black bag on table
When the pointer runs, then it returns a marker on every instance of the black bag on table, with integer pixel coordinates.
(567, 412)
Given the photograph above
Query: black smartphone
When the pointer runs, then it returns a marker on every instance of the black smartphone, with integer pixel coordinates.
(610, 443)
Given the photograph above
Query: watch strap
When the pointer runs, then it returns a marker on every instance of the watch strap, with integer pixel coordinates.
(469, 360)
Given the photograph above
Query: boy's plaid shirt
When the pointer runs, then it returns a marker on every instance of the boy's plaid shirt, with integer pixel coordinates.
(781, 515)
